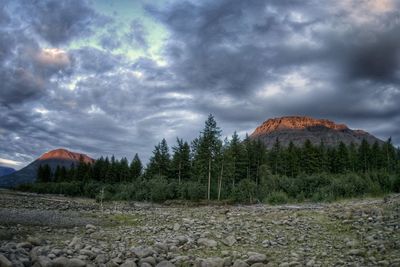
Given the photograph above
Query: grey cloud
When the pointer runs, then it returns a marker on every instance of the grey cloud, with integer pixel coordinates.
(61, 21)
(95, 60)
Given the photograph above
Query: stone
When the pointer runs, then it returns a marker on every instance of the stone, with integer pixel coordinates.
(25, 245)
(74, 242)
(229, 241)
(129, 263)
(258, 264)
(240, 263)
(165, 264)
(34, 241)
(88, 253)
(212, 262)
(142, 252)
(4, 262)
(145, 264)
(149, 259)
(101, 258)
(355, 252)
(76, 263)
(177, 226)
(256, 257)
(60, 262)
(207, 242)
(44, 261)
(90, 226)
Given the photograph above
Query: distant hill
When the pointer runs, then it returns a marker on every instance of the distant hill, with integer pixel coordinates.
(61, 157)
(6, 170)
(300, 128)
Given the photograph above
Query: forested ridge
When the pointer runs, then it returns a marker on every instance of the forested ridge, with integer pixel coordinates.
(233, 170)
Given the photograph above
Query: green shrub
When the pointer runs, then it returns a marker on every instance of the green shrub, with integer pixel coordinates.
(278, 197)
(245, 191)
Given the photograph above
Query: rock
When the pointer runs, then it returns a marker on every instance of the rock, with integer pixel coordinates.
(258, 264)
(76, 263)
(145, 264)
(165, 264)
(177, 226)
(90, 226)
(4, 262)
(355, 252)
(129, 263)
(101, 258)
(142, 252)
(88, 253)
(34, 241)
(149, 259)
(212, 262)
(256, 257)
(310, 263)
(229, 241)
(74, 242)
(25, 245)
(240, 263)
(207, 242)
(161, 246)
(60, 262)
(44, 261)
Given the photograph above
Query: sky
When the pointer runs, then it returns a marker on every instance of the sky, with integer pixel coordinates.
(115, 77)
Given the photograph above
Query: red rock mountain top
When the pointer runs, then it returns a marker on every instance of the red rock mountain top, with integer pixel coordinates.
(295, 123)
(298, 129)
(63, 154)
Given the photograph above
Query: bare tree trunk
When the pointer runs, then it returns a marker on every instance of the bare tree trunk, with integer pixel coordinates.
(209, 179)
(179, 174)
(220, 181)
(258, 165)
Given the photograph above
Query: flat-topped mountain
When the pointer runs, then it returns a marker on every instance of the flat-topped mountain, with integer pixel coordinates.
(300, 128)
(58, 157)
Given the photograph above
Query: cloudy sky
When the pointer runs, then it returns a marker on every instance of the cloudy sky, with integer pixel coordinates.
(115, 77)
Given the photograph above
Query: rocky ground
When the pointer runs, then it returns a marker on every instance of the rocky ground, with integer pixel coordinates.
(42, 230)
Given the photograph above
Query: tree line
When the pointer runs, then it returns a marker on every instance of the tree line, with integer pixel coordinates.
(213, 168)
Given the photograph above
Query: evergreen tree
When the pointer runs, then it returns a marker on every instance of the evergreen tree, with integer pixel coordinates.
(343, 158)
(207, 152)
(181, 161)
(310, 158)
(292, 160)
(364, 156)
(124, 170)
(160, 161)
(236, 159)
(136, 168)
(44, 174)
(57, 174)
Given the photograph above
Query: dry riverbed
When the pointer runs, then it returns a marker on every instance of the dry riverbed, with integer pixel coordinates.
(43, 230)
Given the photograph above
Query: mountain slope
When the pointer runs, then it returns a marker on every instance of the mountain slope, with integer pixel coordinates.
(299, 128)
(6, 170)
(61, 157)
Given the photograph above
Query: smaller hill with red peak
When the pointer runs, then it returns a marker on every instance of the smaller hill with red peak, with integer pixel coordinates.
(298, 129)
(63, 154)
(58, 157)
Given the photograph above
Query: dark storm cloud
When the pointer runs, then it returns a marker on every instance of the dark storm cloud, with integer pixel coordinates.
(61, 21)
(238, 49)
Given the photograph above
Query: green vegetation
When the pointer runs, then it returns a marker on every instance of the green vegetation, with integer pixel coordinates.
(242, 171)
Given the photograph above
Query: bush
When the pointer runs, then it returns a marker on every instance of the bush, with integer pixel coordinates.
(245, 191)
(192, 190)
(278, 197)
